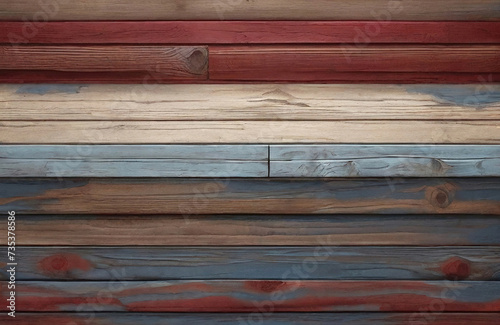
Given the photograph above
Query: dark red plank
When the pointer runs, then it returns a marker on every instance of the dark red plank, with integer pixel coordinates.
(253, 296)
(248, 32)
(105, 63)
(348, 62)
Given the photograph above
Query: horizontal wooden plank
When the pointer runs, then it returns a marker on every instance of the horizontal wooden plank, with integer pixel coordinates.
(256, 32)
(132, 77)
(384, 161)
(134, 161)
(251, 10)
(267, 132)
(276, 263)
(252, 196)
(332, 63)
(284, 152)
(251, 295)
(141, 63)
(312, 102)
(356, 318)
(254, 230)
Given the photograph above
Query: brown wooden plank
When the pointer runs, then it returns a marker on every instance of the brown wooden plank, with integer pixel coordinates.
(266, 132)
(247, 32)
(250, 296)
(421, 318)
(334, 63)
(243, 262)
(253, 230)
(250, 10)
(140, 63)
(312, 102)
(252, 196)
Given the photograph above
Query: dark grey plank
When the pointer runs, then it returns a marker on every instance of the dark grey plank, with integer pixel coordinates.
(275, 263)
(133, 161)
(384, 161)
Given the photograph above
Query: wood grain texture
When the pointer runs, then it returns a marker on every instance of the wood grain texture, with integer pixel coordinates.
(384, 161)
(333, 63)
(264, 132)
(134, 161)
(252, 32)
(252, 196)
(357, 318)
(254, 230)
(252, 102)
(141, 63)
(251, 10)
(273, 263)
(250, 296)
(150, 78)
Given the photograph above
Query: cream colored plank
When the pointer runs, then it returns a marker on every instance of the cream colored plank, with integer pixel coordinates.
(151, 132)
(249, 102)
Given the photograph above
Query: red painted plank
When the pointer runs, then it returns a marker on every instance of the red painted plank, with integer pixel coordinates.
(110, 63)
(348, 62)
(253, 296)
(249, 32)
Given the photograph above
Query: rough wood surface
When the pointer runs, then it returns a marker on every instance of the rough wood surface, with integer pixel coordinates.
(252, 196)
(239, 230)
(251, 295)
(333, 63)
(265, 132)
(256, 32)
(357, 318)
(134, 161)
(250, 10)
(276, 263)
(312, 102)
(141, 62)
(384, 161)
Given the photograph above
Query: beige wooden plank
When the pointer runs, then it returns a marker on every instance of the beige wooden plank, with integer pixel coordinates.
(249, 10)
(151, 132)
(249, 102)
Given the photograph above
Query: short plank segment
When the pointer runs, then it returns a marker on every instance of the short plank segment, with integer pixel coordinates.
(264, 132)
(384, 161)
(250, 10)
(334, 63)
(251, 318)
(134, 161)
(251, 196)
(251, 295)
(139, 63)
(272, 263)
(252, 32)
(255, 102)
(255, 230)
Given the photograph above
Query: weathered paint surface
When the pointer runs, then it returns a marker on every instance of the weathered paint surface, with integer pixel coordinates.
(247, 196)
(357, 318)
(292, 263)
(256, 230)
(134, 161)
(49, 89)
(248, 295)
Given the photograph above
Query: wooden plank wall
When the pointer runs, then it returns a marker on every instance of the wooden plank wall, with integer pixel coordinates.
(251, 162)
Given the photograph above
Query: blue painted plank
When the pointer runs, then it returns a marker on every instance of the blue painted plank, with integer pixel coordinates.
(133, 161)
